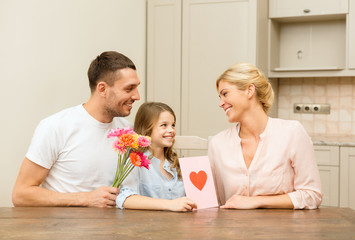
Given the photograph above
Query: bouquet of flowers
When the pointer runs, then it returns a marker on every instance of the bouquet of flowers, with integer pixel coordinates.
(128, 143)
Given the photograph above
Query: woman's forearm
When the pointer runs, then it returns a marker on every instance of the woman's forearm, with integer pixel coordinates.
(246, 202)
(275, 201)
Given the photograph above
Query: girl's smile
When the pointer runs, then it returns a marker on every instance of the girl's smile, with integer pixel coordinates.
(163, 132)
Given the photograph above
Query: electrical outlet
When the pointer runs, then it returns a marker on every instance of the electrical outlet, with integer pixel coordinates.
(307, 108)
(297, 108)
(314, 108)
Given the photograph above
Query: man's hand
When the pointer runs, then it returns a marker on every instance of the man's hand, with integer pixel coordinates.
(102, 197)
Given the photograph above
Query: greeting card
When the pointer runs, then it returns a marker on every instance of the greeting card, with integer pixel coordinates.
(198, 181)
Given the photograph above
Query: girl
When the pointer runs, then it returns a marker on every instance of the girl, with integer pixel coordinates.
(260, 162)
(160, 187)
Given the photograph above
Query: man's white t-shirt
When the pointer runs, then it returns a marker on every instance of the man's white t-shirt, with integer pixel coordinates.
(74, 147)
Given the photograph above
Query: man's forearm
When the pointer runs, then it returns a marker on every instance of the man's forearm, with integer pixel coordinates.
(41, 197)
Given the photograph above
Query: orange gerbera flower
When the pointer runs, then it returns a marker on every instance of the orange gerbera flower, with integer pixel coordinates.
(127, 139)
(135, 159)
(134, 143)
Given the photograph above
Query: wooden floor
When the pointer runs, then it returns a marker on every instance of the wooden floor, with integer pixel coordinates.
(93, 223)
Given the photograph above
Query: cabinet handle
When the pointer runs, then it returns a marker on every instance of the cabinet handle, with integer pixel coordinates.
(299, 54)
(306, 10)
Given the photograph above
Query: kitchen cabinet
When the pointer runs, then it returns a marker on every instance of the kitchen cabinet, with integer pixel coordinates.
(311, 38)
(328, 165)
(351, 30)
(190, 43)
(336, 166)
(347, 177)
(292, 8)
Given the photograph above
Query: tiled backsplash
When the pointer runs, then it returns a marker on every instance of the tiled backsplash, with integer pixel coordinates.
(338, 92)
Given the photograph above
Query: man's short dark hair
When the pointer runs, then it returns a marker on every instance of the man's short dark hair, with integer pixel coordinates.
(107, 63)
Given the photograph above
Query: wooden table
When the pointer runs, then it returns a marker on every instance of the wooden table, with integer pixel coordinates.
(93, 223)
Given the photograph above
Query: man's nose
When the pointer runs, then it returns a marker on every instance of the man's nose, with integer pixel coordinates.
(136, 95)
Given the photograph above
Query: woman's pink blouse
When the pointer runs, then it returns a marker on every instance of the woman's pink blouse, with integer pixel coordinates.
(284, 162)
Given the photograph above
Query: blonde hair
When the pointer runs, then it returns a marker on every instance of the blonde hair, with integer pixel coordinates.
(242, 75)
(147, 116)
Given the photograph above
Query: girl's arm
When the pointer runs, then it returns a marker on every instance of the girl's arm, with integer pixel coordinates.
(129, 198)
(182, 204)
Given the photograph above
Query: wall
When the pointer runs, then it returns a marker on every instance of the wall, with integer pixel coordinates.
(45, 50)
(339, 92)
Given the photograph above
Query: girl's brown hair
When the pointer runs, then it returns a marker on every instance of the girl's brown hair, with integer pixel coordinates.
(147, 116)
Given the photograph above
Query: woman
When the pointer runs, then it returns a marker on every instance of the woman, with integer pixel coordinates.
(261, 162)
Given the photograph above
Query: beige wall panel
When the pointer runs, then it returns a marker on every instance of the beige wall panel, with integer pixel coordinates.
(45, 50)
(216, 34)
(164, 53)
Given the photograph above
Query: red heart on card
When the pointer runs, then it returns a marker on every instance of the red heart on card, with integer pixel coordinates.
(198, 179)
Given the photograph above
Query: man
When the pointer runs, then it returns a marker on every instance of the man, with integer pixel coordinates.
(70, 161)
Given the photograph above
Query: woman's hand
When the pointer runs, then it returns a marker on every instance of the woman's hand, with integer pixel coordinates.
(183, 204)
(241, 202)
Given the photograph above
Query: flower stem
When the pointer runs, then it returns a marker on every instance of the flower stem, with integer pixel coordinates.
(121, 170)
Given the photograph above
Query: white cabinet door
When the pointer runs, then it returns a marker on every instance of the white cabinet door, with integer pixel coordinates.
(329, 177)
(347, 177)
(304, 45)
(164, 54)
(216, 35)
(351, 34)
(327, 155)
(293, 8)
(328, 165)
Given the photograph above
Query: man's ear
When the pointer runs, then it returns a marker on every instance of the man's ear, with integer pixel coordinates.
(101, 88)
(251, 90)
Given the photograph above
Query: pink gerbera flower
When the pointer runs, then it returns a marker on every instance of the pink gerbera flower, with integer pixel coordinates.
(119, 146)
(143, 141)
(119, 131)
(145, 161)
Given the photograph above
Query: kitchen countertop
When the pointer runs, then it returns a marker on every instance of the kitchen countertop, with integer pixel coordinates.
(334, 140)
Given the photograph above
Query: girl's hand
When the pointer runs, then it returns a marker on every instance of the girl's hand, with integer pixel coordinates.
(183, 204)
(241, 202)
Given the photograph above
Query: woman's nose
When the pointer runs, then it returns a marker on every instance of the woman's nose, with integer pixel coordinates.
(221, 103)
